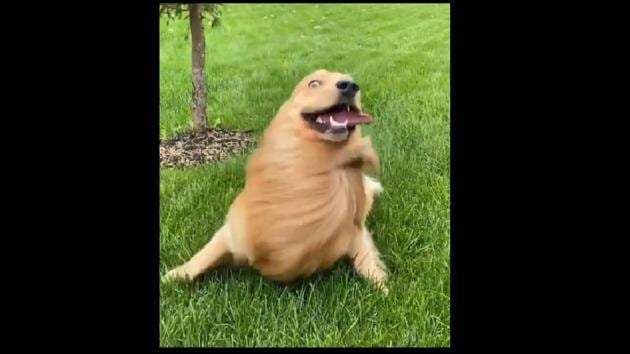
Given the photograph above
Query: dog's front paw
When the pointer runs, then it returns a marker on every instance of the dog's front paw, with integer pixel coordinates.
(358, 153)
(368, 156)
(373, 185)
(366, 142)
(380, 284)
(384, 289)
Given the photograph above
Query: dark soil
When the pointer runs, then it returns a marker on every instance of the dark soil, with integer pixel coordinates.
(189, 149)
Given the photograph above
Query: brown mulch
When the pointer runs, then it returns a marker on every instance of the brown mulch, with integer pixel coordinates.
(189, 149)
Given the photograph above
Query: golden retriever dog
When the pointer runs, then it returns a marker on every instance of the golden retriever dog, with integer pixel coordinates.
(307, 194)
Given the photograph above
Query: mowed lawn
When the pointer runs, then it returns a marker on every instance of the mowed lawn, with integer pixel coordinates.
(400, 55)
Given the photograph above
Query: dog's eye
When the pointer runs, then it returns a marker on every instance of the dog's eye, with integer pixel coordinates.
(314, 83)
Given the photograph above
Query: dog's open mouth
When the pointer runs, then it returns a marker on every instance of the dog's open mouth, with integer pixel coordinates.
(337, 119)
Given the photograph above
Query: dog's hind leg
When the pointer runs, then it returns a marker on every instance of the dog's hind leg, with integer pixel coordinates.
(215, 253)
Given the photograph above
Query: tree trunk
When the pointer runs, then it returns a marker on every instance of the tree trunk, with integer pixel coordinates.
(200, 121)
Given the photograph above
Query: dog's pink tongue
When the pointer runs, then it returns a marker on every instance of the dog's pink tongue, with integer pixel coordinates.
(353, 118)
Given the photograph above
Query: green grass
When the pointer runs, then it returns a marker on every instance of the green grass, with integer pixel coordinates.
(400, 55)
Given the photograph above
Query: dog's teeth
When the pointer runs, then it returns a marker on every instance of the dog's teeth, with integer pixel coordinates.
(334, 123)
(348, 108)
(319, 120)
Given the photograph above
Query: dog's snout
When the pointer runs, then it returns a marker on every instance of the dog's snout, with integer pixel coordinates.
(348, 88)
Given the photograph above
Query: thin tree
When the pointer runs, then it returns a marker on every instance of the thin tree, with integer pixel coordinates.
(195, 13)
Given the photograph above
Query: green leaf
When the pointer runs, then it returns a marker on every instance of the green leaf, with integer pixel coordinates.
(215, 22)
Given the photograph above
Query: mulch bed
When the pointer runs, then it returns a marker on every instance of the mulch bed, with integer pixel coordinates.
(190, 149)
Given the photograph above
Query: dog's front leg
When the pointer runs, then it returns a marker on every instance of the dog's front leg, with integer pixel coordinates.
(367, 260)
(358, 153)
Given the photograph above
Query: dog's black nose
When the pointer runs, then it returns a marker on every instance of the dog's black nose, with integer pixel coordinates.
(347, 88)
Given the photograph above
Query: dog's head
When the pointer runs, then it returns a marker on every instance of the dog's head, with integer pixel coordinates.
(329, 104)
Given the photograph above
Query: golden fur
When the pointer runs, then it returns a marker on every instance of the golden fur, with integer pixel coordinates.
(305, 200)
